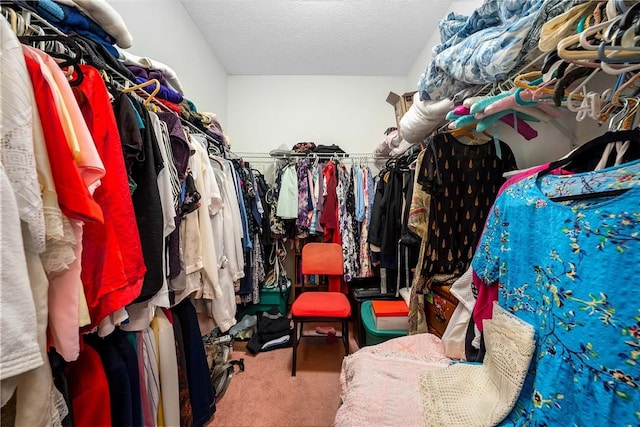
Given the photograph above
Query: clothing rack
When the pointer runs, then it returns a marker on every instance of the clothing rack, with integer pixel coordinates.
(258, 156)
(120, 80)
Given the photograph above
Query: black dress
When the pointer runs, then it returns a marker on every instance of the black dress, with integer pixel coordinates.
(463, 181)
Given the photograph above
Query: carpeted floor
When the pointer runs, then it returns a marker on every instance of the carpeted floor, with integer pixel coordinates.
(266, 394)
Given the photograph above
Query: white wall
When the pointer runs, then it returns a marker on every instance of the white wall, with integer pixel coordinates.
(163, 30)
(350, 111)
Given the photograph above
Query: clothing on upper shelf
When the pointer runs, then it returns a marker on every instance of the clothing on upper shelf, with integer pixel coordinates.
(485, 46)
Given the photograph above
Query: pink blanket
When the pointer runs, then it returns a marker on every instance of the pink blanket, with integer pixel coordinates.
(380, 384)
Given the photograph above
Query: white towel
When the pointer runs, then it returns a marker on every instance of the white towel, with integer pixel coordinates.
(423, 118)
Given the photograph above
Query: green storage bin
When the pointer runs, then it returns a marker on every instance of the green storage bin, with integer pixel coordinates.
(375, 336)
(269, 298)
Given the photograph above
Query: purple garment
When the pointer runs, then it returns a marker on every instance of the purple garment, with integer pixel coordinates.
(179, 145)
(148, 74)
(156, 74)
(139, 71)
(320, 204)
(181, 153)
(164, 92)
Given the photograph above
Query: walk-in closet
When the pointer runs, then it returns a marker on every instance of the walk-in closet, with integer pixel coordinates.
(319, 213)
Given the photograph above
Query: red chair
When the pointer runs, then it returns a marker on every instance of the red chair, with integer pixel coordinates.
(323, 259)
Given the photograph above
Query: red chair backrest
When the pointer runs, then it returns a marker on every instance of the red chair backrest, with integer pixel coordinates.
(323, 259)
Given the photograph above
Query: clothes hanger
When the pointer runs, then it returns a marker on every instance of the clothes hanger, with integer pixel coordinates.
(560, 92)
(628, 17)
(69, 59)
(588, 148)
(12, 17)
(462, 132)
(610, 69)
(561, 26)
(615, 99)
(577, 47)
(150, 96)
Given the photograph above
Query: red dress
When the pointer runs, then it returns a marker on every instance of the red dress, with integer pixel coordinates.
(112, 265)
(73, 195)
(89, 390)
(329, 216)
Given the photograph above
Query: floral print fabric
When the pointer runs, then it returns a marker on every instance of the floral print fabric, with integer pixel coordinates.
(366, 269)
(304, 207)
(570, 270)
(346, 224)
(486, 46)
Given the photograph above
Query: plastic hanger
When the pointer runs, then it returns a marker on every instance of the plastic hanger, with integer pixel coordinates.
(12, 17)
(576, 47)
(633, 136)
(559, 92)
(71, 58)
(628, 17)
(553, 31)
(143, 85)
(582, 88)
(589, 148)
(610, 69)
(615, 98)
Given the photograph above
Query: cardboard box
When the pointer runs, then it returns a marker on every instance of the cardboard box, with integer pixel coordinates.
(401, 104)
(390, 315)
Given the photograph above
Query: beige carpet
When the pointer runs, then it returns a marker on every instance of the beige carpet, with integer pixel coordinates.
(266, 394)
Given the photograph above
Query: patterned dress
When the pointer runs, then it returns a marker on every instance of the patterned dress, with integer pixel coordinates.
(346, 224)
(570, 270)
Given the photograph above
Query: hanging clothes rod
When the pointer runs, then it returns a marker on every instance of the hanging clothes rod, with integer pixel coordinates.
(322, 156)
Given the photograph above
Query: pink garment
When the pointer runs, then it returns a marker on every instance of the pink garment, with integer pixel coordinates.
(506, 103)
(87, 159)
(461, 110)
(381, 383)
(391, 141)
(521, 126)
(64, 321)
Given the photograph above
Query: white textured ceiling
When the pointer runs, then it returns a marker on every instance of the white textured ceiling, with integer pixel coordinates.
(317, 37)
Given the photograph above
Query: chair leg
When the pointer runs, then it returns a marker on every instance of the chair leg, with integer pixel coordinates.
(295, 348)
(345, 336)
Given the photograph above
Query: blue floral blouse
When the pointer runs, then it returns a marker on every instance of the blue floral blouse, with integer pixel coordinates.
(571, 270)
